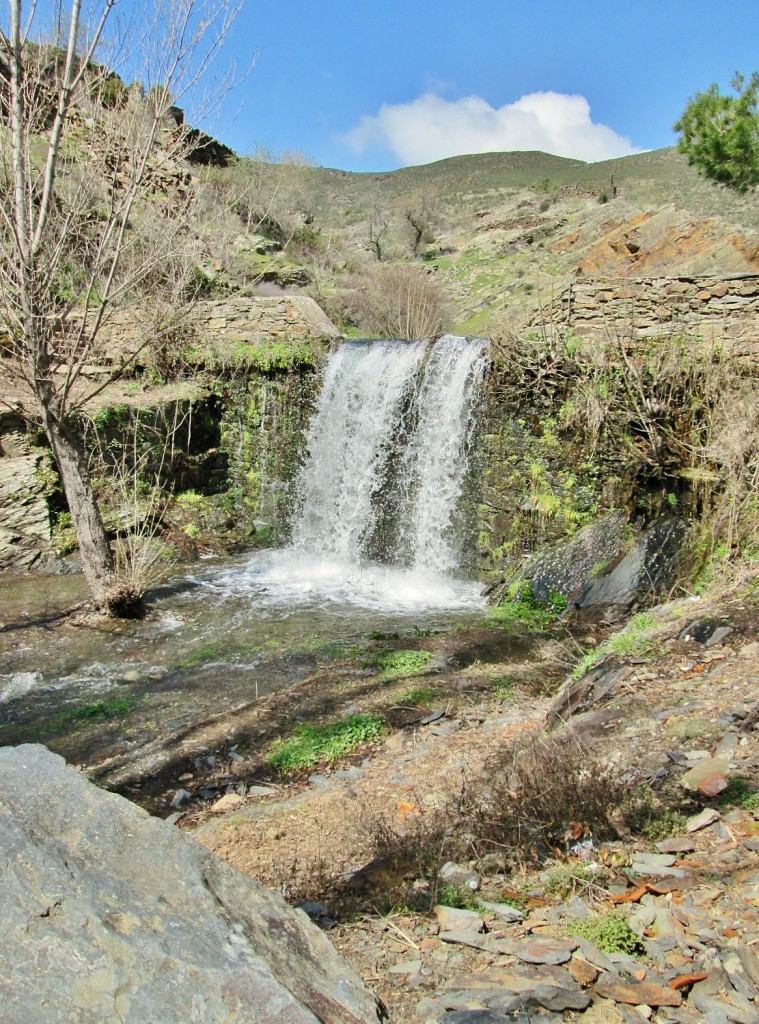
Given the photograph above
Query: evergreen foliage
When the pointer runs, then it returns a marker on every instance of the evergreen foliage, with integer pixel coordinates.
(720, 134)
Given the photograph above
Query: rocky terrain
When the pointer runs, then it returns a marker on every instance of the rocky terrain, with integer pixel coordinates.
(507, 843)
(655, 918)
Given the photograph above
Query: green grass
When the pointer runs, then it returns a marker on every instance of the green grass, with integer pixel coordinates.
(100, 710)
(333, 651)
(312, 744)
(566, 880)
(400, 664)
(505, 688)
(458, 897)
(634, 640)
(206, 652)
(739, 794)
(416, 695)
(648, 816)
(520, 608)
(663, 824)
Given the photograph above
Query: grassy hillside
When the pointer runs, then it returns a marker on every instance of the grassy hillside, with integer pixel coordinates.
(507, 231)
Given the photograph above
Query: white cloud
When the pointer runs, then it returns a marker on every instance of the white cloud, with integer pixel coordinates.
(431, 128)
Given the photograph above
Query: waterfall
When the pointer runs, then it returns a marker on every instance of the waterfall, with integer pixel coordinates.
(388, 453)
(349, 445)
(437, 455)
(378, 524)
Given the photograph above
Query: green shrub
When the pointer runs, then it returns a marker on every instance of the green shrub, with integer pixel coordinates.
(610, 933)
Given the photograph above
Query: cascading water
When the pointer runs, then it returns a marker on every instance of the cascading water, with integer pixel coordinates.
(437, 456)
(388, 457)
(366, 387)
(376, 545)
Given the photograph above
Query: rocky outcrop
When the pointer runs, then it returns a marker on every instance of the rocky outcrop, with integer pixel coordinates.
(25, 483)
(645, 572)
(109, 914)
(568, 567)
(706, 310)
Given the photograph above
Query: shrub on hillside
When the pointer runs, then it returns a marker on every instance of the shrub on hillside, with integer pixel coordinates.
(399, 301)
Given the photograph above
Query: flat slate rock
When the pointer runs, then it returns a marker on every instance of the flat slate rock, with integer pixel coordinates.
(168, 932)
(678, 844)
(543, 951)
(638, 993)
(515, 988)
(702, 820)
(454, 919)
(503, 910)
(474, 938)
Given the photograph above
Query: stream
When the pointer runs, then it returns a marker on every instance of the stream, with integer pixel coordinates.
(229, 631)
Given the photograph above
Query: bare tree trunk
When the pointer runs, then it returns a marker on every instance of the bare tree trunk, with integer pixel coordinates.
(97, 558)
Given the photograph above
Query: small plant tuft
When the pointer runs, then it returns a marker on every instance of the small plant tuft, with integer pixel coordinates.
(400, 664)
(739, 793)
(417, 695)
(633, 640)
(100, 710)
(311, 744)
(611, 933)
(458, 897)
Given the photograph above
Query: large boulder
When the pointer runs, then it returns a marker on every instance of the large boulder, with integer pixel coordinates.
(568, 566)
(110, 915)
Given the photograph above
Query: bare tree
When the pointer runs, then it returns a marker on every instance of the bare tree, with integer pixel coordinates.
(377, 229)
(87, 170)
(420, 219)
(400, 301)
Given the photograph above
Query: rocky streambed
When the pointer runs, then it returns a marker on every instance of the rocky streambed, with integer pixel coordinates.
(651, 909)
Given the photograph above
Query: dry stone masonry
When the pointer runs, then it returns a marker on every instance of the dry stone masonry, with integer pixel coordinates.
(240, 318)
(712, 310)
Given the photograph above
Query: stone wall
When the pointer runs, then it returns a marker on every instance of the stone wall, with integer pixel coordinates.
(241, 318)
(711, 310)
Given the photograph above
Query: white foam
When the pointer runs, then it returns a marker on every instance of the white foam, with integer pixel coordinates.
(18, 684)
(287, 579)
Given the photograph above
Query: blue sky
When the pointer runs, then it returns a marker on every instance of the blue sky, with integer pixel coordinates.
(375, 85)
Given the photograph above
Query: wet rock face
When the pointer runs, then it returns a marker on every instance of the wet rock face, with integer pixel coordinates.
(590, 570)
(110, 914)
(570, 565)
(24, 516)
(647, 570)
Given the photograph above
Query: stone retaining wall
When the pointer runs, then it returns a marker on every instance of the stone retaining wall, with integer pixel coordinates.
(723, 310)
(241, 318)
